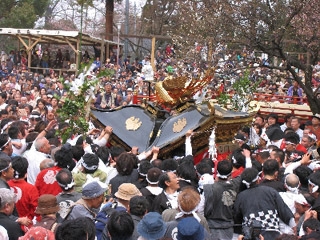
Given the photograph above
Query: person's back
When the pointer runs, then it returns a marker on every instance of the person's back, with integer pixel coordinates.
(223, 194)
(38, 152)
(292, 184)
(138, 207)
(188, 202)
(152, 190)
(89, 166)
(271, 171)
(68, 196)
(46, 182)
(27, 193)
(126, 171)
(267, 207)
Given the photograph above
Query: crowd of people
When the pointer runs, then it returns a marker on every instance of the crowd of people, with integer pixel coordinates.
(267, 188)
(137, 76)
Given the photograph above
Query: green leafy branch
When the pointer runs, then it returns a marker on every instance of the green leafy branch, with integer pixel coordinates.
(75, 109)
(106, 72)
(77, 106)
(243, 89)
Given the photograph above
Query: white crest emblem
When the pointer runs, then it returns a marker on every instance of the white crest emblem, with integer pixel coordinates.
(17, 191)
(49, 177)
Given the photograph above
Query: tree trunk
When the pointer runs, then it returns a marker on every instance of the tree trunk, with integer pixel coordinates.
(109, 19)
(314, 103)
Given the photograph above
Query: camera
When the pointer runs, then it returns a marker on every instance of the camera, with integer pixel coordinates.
(253, 231)
(315, 154)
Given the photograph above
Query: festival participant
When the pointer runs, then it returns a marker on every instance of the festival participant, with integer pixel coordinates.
(42, 108)
(272, 120)
(3, 98)
(309, 142)
(292, 153)
(291, 183)
(5, 147)
(220, 214)
(46, 182)
(89, 204)
(240, 159)
(39, 151)
(138, 207)
(271, 175)
(278, 155)
(120, 226)
(315, 127)
(6, 208)
(125, 193)
(76, 229)
(151, 226)
(314, 189)
(34, 118)
(276, 137)
(287, 121)
(68, 196)
(88, 170)
(127, 172)
(259, 120)
(241, 141)
(266, 207)
(36, 156)
(295, 125)
(18, 142)
(152, 190)
(169, 182)
(27, 194)
(47, 208)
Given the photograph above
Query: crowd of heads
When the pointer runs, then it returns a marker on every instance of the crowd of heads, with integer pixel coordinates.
(30, 100)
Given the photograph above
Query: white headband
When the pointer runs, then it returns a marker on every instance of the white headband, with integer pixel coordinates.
(288, 142)
(6, 168)
(193, 212)
(291, 189)
(151, 182)
(9, 139)
(94, 167)
(315, 188)
(6, 126)
(222, 176)
(248, 184)
(312, 136)
(68, 186)
(34, 116)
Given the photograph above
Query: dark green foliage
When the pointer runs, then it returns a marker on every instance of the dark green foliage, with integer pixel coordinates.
(21, 14)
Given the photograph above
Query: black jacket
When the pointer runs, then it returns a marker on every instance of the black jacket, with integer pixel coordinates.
(12, 227)
(161, 203)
